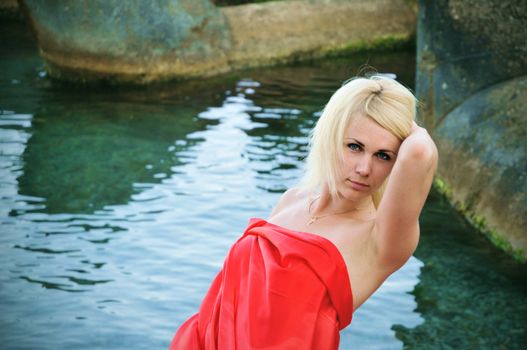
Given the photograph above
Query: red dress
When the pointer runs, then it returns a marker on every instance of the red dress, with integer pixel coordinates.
(278, 289)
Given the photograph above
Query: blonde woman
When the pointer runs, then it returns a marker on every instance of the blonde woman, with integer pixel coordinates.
(294, 280)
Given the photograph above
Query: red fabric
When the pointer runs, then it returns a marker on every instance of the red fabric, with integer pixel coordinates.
(278, 289)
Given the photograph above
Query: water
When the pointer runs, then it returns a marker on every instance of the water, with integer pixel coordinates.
(119, 205)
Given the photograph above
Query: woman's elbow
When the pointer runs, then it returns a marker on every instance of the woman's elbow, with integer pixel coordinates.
(423, 151)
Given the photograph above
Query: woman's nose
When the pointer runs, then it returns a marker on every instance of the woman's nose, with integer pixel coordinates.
(363, 167)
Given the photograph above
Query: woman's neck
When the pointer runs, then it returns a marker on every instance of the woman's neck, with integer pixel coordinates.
(325, 204)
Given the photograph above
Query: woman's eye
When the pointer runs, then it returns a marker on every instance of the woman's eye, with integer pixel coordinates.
(354, 147)
(383, 156)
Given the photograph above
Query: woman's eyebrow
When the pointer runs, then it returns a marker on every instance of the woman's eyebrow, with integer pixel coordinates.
(362, 145)
(356, 141)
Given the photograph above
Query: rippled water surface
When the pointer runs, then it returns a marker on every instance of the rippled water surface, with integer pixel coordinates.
(119, 205)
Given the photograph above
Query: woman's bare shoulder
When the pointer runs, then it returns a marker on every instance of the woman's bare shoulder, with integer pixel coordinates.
(290, 198)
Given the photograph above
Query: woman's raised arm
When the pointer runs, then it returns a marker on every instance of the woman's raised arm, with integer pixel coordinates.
(396, 231)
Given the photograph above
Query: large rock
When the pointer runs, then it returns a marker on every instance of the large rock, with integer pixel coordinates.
(145, 41)
(133, 40)
(283, 31)
(471, 63)
(464, 46)
(484, 160)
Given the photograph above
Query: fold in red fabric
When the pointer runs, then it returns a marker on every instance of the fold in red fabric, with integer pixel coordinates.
(278, 289)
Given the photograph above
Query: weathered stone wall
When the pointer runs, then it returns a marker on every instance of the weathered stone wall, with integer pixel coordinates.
(472, 80)
(146, 41)
(465, 46)
(484, 160)
(288, 30)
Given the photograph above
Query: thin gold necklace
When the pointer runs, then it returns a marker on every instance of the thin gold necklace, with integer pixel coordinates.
(314, 218)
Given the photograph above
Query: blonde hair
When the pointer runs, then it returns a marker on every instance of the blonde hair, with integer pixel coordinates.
(382, 99)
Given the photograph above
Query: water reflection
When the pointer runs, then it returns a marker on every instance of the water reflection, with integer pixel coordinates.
(85, 154)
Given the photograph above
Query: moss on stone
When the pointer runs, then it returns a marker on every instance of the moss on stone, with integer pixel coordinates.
(385, 43)
(442, 187)
(238, 2)
(479, 222)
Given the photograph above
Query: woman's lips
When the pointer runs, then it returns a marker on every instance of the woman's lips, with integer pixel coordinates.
(359, 185)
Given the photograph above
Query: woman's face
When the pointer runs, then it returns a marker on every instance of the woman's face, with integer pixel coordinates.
(368, 158)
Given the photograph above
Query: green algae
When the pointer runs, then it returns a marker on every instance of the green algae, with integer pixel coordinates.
(239, 2)
(479, 222)
(385, 43)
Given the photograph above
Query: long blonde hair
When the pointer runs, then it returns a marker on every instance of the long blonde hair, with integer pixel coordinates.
(383, 99)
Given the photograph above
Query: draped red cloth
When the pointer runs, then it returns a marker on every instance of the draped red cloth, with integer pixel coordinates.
(278, 289)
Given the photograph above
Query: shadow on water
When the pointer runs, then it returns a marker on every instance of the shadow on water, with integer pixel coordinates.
(87, 152)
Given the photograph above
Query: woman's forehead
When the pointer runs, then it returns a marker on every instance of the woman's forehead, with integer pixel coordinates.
(367, 131)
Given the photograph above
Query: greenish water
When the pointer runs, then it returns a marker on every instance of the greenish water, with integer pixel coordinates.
(470, 294)
(118, 206)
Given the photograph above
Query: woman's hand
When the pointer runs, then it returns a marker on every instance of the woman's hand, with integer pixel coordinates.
(415, 127)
